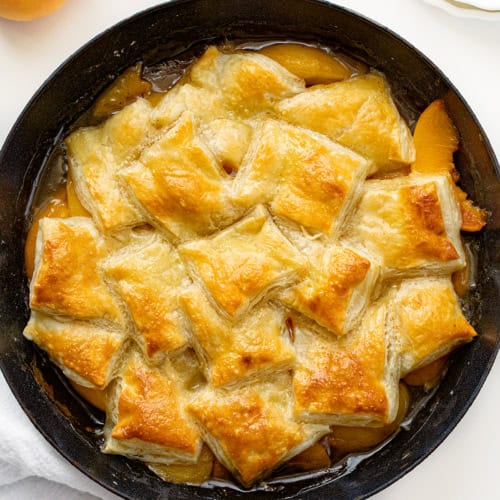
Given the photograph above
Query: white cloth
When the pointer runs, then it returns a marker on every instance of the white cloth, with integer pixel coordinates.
(24, 452)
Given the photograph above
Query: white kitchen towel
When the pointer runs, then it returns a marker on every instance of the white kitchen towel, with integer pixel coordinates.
(24, 452)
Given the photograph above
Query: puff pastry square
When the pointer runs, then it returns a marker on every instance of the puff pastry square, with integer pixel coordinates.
(248, 82)
(350, 381)
(251, 430)
(205, 104)
(67, 280)
(86, 353)
(411, 225)
(223, 91)
(305, 177)
(146, 418)
(179, 184)
(128, 131)
(226, 135)
(148, 276)
(428, 321)
(255, 347)
(241, 263)
(96, 154)
(337, 290)
(358, 113)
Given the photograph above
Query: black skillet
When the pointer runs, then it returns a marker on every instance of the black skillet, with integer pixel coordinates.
(165, 32)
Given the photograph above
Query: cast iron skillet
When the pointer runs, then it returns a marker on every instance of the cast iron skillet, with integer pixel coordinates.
(164, 32)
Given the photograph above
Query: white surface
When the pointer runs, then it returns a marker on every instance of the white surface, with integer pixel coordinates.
(465, 466)
(484, 4)
(486, 11)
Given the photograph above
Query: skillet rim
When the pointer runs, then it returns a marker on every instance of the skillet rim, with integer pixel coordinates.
(65, 65)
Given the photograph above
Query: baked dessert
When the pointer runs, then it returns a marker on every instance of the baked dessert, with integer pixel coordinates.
(252, 430)
(419, 216)
(232, 276)
(351, 380)
(357, 113)
(148, 274)
(254, 348)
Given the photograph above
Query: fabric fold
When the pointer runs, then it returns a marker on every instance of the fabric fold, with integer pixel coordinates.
(25, 453)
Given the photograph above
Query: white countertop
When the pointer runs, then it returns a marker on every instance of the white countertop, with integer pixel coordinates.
(465, 466)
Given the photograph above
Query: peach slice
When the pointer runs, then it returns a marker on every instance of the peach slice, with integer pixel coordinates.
(473, 218)
(220, 472)
(27, 10)
(186, 473)
(436, 139)
(124, 90)
(312, 64)
(345, 440)
(313, 458)
(427, 375)
(95, 397)
(74, 204)
(56, 206)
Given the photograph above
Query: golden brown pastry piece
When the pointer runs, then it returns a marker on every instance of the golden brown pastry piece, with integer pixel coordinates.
(67, 280)
(225, 134)
(428, 321)
(411, 225)
(302, 175)
(86, 353)
(338, 288)
(146, 417)
(251, 430)
(350, 381)
(179, 184)
(196, 473)
(358, 113)
(204, 104)
(247, 82)
(219, 85)
(255, 347)
(241, 263)
(96, 154)
(148, 275)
